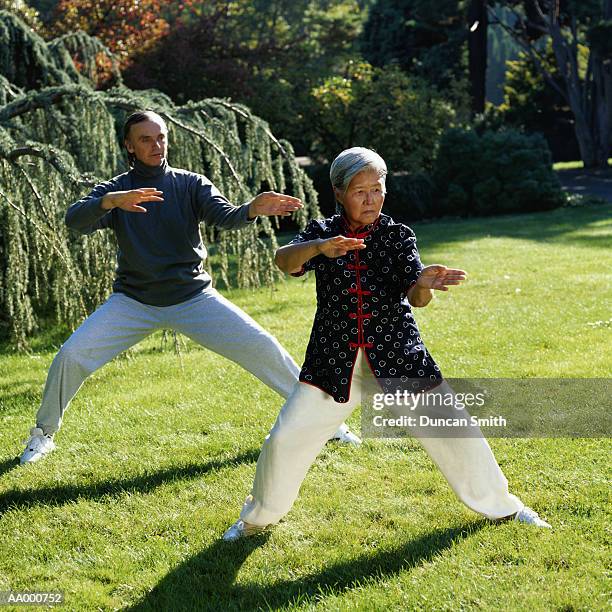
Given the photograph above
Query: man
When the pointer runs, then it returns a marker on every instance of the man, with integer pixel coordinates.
(155, 211)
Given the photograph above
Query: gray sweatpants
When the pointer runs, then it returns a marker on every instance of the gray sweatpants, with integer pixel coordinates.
(209, 319)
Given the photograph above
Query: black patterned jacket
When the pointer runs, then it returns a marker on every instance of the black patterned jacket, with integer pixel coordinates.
(361, 302)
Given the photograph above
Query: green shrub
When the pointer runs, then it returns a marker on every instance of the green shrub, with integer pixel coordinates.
(400, 117)
(532, 105)
(409, 196)
(493, 173)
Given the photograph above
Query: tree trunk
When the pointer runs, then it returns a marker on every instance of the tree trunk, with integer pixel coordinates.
(589, 101)
(602, 103)
(477, 46)
(602, 99)
(586, 142)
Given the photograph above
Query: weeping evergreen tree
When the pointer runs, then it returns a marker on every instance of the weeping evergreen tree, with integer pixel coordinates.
(59, 136)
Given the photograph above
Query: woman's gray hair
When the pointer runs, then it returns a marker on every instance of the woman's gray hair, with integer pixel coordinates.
(354, 160)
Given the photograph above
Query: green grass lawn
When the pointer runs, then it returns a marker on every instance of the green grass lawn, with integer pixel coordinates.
(157, 454)
(572, 165)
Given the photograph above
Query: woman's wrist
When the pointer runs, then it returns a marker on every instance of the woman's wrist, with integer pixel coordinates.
(420, 296)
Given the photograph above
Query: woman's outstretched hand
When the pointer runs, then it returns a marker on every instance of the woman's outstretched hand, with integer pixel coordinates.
(339, 246)
(440, 277)
(292, 257)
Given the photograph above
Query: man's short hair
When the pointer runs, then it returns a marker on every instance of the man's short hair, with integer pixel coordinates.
(139, 117)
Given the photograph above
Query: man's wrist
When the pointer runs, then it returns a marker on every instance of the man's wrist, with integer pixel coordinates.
(107, 202)
(251, 214)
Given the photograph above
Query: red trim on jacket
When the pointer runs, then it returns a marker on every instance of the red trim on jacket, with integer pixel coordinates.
(356, 233)
(360, 316)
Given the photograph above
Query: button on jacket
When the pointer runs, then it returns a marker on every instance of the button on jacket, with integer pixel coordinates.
(361, 303)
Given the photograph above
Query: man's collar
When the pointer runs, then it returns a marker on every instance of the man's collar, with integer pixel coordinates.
(143, 170)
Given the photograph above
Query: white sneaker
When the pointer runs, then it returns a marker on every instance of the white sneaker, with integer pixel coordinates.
(37, 446)
(346, 436)
(240, 529)
(530, 517)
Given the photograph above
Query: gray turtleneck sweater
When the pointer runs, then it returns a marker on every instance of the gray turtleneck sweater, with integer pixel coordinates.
(160, 252)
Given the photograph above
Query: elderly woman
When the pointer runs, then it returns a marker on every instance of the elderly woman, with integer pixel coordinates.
(368, 275)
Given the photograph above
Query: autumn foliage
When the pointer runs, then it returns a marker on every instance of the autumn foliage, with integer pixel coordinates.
(124, 26)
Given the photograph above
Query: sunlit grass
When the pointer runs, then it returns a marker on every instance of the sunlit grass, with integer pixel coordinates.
(572, 165)
(157, 454)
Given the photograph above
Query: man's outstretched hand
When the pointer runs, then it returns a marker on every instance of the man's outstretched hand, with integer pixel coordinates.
(131, 200)
(270, 203)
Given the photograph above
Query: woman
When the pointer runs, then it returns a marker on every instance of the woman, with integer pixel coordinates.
(365, 266)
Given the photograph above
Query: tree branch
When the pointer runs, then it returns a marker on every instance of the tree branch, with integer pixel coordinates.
(50, 95)
(37, 197)
(133, 107)
(246, 115)
(537, 58)
(210, 142)
(13, 155)
(55, 245)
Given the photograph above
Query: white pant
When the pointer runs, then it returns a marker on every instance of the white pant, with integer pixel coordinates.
(310, 416)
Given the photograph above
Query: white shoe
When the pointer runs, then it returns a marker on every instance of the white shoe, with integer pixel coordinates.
(346, 436)
(37, 446)
(240, 529)
(530, 517)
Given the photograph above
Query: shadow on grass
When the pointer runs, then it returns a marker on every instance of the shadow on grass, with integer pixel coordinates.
(63, 494)
(53, 337)
(569, 225)
(206, 581)
(8, 464)
(47, 340)
(14, 403)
